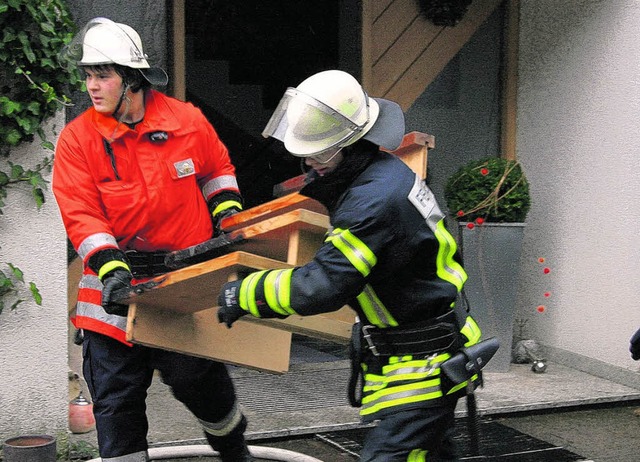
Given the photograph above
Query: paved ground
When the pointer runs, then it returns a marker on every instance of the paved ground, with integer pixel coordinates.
(560, 415)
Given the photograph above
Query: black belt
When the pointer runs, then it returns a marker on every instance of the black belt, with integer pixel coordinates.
(147, 264)
(432, 336)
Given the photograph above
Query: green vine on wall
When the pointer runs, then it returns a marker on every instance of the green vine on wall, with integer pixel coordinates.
(33, 86)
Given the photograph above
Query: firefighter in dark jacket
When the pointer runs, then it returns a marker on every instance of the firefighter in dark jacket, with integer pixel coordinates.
(387, 255)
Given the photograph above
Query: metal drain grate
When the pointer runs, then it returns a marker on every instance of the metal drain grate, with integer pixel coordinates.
(294, 391)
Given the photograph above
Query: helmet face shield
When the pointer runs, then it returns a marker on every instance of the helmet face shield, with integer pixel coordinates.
(309, 127)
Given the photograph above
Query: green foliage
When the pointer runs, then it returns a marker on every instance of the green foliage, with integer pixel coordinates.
(32, 177)
(32, 80)
(33, 84)
(12, 287)
(492, 189)
(75, 451)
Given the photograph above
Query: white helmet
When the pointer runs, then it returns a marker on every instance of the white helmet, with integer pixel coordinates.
(103, 41)
(331, 110)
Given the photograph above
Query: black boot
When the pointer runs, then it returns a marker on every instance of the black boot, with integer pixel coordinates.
(231, 447)
(238, 453)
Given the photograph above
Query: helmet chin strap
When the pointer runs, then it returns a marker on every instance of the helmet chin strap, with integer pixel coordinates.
(127, 103)
(123, 98)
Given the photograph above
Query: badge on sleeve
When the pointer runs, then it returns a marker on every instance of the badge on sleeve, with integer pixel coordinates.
(184, 168)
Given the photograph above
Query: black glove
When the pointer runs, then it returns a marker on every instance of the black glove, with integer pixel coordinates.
(230, 310)
(113, 281)
(634, 348)
(217, 220)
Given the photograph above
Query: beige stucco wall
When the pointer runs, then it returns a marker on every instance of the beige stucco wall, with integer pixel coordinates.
(33, 339)
(579, 141)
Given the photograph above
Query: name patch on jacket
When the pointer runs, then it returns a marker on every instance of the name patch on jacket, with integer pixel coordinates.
(184, 168)
(423, 199)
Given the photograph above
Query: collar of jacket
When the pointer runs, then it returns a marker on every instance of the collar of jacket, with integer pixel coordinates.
(158, 116)
(329, 188)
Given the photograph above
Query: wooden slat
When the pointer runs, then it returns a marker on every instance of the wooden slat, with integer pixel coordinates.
(510, 82)
(335, 326)
(379, 6)
(270, 237)
(366, 38)
(396, 60)
(179, 60)
(196, 287)
(431, 62)
(74, 274)
(414, 151)
(269, 209)
(199, 334)
(391, 25)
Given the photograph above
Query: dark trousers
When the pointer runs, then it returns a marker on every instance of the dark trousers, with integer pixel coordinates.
(118, 377)
(395, 436)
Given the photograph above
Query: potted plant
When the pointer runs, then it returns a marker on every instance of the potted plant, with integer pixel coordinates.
(490, 200)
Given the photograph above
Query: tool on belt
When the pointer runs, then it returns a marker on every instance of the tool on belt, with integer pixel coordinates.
(461, 367)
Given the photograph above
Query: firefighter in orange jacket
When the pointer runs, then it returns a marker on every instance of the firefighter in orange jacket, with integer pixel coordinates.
(135, 176)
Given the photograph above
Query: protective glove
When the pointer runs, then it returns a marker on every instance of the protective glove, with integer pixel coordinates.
(634, 348)
(217, 220)
(230, 310)
(113, 282)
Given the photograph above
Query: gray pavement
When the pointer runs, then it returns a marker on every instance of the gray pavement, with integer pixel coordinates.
(594, 417)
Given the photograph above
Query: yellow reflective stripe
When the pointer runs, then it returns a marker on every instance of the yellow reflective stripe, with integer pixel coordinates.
(375, 311)
(471, 330)
(417, 455)
(110, 266)
(356, 251)
(416, 364)
(447, 268)
(399, 395)
(277, 291)
(222, 206)
(247, 296)
(405, 369)
(462, 385)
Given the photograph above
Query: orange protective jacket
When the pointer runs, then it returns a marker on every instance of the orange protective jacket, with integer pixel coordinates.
(149, 195)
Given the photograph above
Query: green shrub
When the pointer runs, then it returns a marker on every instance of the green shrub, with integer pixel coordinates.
(492, 189)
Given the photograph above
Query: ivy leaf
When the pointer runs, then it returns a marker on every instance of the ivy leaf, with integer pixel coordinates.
(48, 145)
(47, 27)
(26, 47)
(13, 137)
(17, 272)
(16, 171)
(9, 107)
(35, 293)
(38, 196)
(34, 107)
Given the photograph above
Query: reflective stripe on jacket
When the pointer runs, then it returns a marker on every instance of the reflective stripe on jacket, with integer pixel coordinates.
(135, 190)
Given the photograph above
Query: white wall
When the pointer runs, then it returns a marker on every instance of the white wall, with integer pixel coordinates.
(33, 339)
(579, 142)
